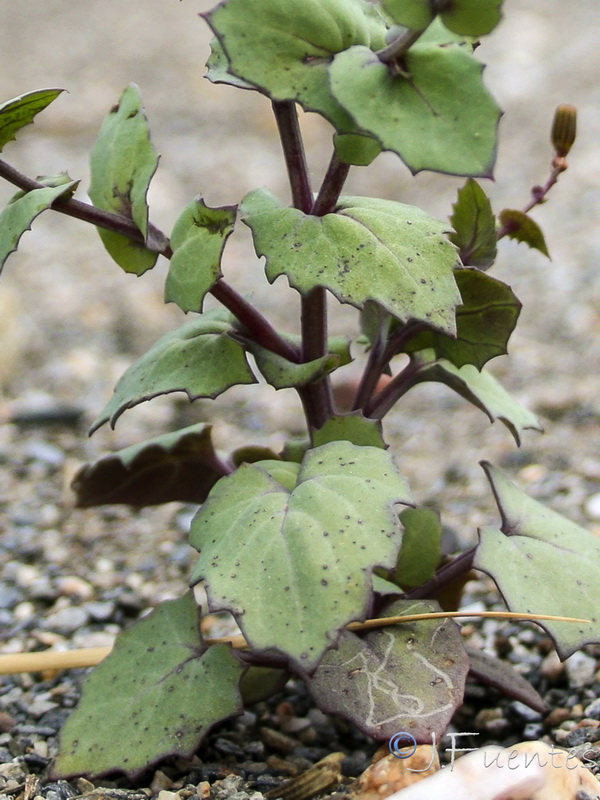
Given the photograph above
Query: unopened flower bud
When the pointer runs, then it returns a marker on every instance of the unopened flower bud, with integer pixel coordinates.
(564, 129)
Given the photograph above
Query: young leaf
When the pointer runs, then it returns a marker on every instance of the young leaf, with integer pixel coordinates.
(404, 677)
(370, 249)
(18, 215)
(474, 226)
(283, 374)
(481, 389)
(351, 428)
(181, 466)
(166, 690)
(122, 163)
(284, 49)
(20, 111)
(59, 179)
(438, 114)
(535, 549)
(198, 239)
(484, 322)
(199, 358)
(288, 549)
(468, 17)
(353, 148)
(523, 228)
(421, 550)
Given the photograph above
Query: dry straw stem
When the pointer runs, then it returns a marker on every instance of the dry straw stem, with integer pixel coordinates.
(90, 656)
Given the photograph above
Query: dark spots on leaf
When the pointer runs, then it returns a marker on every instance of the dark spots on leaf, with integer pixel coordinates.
(324, 582)
(132, 114)
(114, 109)
(179, 734)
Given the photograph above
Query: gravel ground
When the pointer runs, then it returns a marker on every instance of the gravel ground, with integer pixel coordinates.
(70, 323)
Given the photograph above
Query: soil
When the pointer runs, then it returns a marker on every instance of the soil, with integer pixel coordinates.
(70, 322)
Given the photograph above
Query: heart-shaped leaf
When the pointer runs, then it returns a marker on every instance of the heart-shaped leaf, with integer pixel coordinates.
(197, 240)
(20, 111)
(437, 114)
(156, 695)
(480, 388)
(474, 226)
(370, 249)
(122, 162)
(284, 49)
(287, 549)
(199, 358)
(407, 677)
(484, 322)
(536, 551)
(523, 228)
(18, 215)
(180, 466)
(467, 17)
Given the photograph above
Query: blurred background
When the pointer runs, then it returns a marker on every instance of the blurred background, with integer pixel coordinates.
(71, 321)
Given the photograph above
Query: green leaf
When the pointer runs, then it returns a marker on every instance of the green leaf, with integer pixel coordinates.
(437, 115)
(199, 358)
(218, 68)
(353, 148)
(472, 17)
(537, 552)
(484, 322)
(353, 428)
(468, 17)
(370, 249)
(281, 373)
(164, 688)
(474, 226)
(523, 228)
(421, 550)
(481, 389)
(20, 111)
(259, 683)
(123, 161)
(18, 215)
(292, 559)
(59, 179)
(284, 49)
(180, 466)
(198, 239)
(404, 677)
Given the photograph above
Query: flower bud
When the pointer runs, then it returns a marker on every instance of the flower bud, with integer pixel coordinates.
(564, 129)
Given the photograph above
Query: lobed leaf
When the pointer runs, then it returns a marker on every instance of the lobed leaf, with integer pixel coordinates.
(197, 241)
(354, 148)
(284, 49)
(480, 388)
(180, 466)
(21, 111)
(404, 677)
(218, 68)
(484, 322)
(474, 226)
(156, 695)
(523, 228)
(370, 249)
(123, 162)
(536, 551)
(466, 17)
(288, 549)
(19, 214)
(200, 358)
(436, 115)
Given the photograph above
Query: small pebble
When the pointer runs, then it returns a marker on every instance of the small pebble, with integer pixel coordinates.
(591, 507)
(67, 620)
(580, 669)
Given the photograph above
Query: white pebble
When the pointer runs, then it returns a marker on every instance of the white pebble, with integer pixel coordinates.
(592, 506)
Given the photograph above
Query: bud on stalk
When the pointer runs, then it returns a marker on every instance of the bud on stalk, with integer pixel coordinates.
(564, 129)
